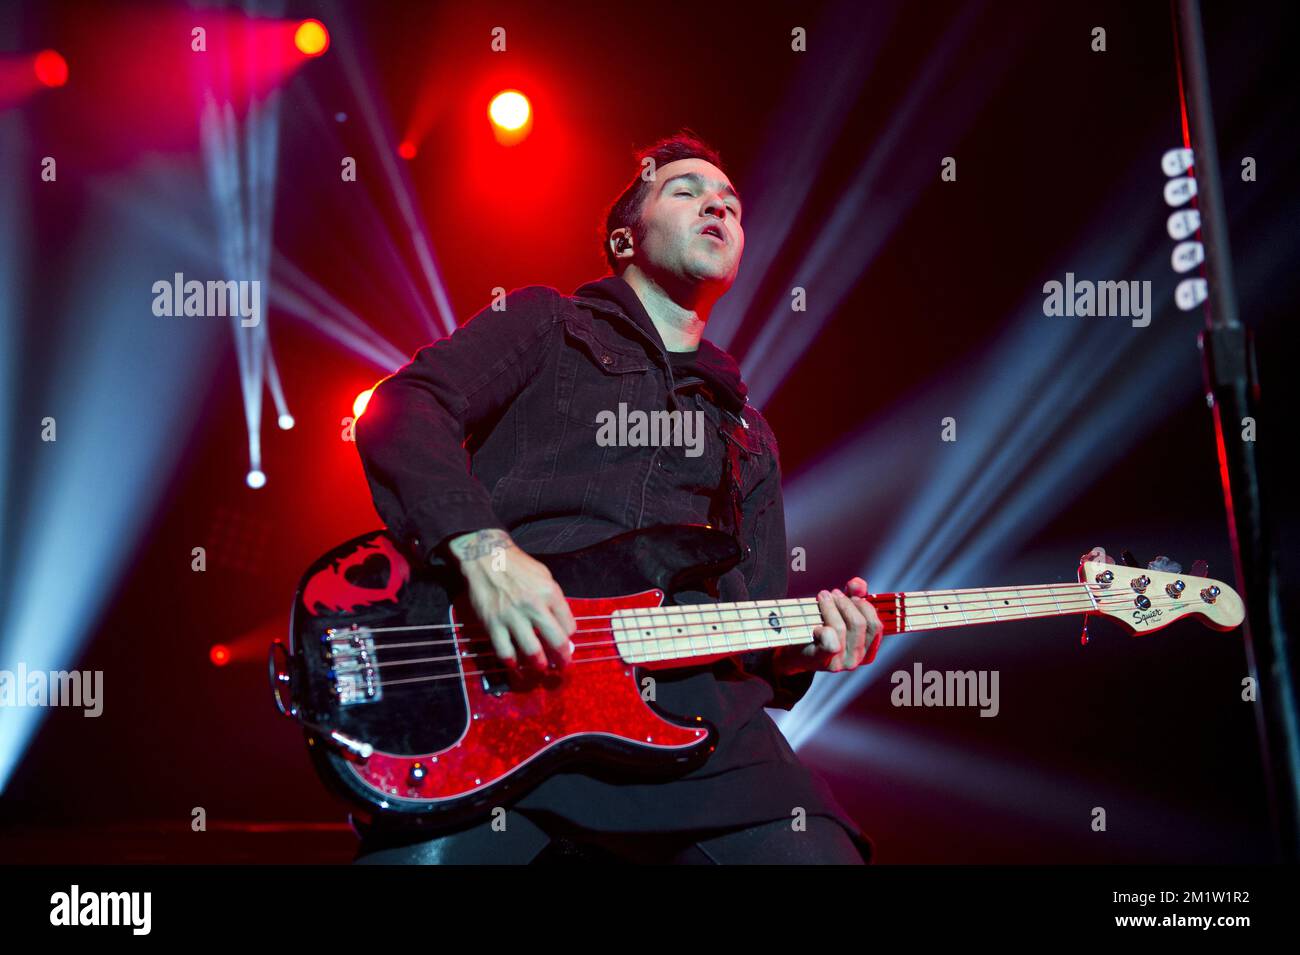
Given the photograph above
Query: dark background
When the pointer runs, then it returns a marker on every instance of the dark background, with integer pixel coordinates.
(1061, 156)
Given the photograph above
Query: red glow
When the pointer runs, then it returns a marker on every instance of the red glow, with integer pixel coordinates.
(311, 38)
(406, 150)
(51, 68)
(219, 654)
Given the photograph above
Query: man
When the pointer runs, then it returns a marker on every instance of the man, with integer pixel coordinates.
(523, 389)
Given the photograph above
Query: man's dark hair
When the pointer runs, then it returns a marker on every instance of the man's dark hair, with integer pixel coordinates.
(626, 210)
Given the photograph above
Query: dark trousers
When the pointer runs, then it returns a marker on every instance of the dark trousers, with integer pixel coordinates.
(542, 839)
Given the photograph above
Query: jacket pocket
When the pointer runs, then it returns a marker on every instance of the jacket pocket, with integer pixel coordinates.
(595, 376)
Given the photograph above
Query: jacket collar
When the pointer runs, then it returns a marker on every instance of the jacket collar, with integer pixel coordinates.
(614, 296)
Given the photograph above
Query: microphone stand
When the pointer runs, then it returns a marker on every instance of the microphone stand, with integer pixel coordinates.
(1232, 392)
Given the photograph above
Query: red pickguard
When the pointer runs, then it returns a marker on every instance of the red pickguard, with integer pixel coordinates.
(595, 697)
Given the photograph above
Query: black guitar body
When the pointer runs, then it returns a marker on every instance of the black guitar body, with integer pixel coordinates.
(407, 727)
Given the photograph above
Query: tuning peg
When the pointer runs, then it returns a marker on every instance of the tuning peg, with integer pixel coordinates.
(1200, 569)
(1165, 565)
(1127, 559)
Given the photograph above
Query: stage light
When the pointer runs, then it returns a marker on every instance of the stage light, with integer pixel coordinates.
(255, 479)
(92, 501)
(51, 68)
(406, 149)
(285, 422)
(362, 400)
(510, 111)
(219, 655)
(311, 38)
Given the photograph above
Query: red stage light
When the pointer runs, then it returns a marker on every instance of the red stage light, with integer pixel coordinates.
(510, 110)
(406, 149)
(359, 405)
(219, 654)
(51, 68)
(311, 38)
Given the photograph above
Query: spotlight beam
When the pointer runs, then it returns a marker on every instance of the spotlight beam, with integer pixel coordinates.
(925, 550)
(864, 219)
(399, 185)
(787, 168)
(88, 495)
(163, 211)
(986, 782)
(383, 355)
(379, 238)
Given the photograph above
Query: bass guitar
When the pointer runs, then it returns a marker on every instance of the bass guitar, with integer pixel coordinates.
(407, 711)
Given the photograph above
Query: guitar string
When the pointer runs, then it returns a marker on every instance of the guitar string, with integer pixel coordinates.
(585, 645)
(803, 615)
(915, 605)
(918, 598)
(787, 622)
(460, 674)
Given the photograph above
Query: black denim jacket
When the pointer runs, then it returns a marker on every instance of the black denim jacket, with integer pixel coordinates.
(519, 390)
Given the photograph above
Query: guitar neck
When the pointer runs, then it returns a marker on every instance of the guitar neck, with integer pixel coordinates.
(659, 634)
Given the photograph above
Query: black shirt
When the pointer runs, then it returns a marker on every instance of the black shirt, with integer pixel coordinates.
(520, 389)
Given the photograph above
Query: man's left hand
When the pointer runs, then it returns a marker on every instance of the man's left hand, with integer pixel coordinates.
(849, 637)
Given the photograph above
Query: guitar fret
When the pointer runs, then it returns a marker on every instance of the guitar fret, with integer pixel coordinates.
(681, 634)
(773, 633)
(757, 632)
(699, 630)
(637, 629)
(960, 608)
(760, 632)
(744, 618)
(1052, 591)
(731, 622)
(991, 598)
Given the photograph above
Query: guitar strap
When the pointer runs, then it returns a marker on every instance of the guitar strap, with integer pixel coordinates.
(725, 510)
(727, 499)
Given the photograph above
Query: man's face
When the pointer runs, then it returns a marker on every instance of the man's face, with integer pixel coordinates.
(690, 225)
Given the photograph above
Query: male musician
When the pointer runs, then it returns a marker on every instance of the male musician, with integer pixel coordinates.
(521, 390)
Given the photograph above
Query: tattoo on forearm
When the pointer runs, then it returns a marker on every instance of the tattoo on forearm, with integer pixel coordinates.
(480, 544)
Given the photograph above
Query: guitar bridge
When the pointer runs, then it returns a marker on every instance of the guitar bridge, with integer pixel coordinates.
(353, 671)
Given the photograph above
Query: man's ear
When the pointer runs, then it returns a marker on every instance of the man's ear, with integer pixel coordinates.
(622, 242)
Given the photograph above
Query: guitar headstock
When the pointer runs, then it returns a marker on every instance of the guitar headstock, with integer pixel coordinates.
(1146, 599)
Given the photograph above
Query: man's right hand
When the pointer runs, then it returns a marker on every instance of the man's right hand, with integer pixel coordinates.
(516, 598)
